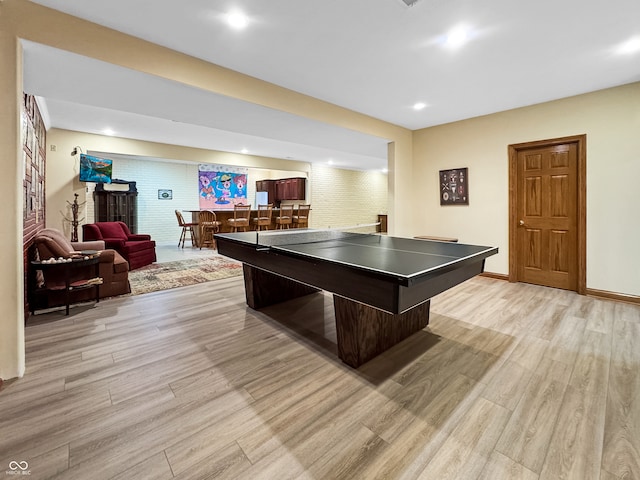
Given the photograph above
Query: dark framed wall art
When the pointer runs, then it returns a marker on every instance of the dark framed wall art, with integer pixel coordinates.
(454, 186)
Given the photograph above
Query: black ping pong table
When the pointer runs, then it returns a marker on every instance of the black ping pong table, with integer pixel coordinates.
(382, 285)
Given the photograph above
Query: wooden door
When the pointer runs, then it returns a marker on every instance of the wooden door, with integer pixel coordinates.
(547, 215)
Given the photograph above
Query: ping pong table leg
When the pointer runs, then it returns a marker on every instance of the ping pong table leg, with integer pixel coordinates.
(263, 288)
(365, 332)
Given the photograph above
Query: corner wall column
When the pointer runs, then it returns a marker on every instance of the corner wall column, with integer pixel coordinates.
(12, 351)
(400, 182)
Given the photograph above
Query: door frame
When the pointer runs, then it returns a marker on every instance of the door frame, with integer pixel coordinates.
(581, 220)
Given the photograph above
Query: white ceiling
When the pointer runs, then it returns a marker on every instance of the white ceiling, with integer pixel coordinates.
(377, 57)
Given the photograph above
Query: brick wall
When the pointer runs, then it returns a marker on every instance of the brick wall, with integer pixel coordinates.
(156, 217)
(346, 197)
(34, 136)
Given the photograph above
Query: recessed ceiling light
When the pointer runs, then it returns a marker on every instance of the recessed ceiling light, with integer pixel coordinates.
(330, 162)
(244, 150)
(457, 36)
(108, 131)
(630, 46)
(419, 106)
(237, 20)
(385, 170)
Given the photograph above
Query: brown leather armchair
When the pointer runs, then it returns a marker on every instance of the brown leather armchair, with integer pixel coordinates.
(138, 249)
(113, 268)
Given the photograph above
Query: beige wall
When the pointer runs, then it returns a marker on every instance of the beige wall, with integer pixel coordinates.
(610, 119)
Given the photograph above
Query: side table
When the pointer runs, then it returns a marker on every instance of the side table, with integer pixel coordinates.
(67, 269)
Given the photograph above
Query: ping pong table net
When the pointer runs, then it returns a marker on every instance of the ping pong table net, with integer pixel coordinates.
(274, 238)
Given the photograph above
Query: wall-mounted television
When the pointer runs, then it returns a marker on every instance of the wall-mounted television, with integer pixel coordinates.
(94, 169)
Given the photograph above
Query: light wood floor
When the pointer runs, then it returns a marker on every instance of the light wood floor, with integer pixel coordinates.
(168, 252)
(510, 381)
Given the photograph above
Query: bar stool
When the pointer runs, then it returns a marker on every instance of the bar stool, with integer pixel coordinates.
(209, 225)
(186, 227)
(263, 219)
(285, 217)
(241, 214)
(301, 220)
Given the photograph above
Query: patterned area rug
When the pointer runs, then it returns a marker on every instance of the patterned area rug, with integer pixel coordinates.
(163, 276)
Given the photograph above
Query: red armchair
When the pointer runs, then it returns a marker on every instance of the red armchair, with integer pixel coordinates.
(138, 249)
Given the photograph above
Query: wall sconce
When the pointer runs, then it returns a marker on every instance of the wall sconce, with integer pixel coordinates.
(74, 152)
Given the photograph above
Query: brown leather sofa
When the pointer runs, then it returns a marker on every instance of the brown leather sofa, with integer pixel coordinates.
(113, 269)
(138, 249)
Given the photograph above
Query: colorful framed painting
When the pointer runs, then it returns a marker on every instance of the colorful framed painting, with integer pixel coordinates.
(454, 186)
(221, 186)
